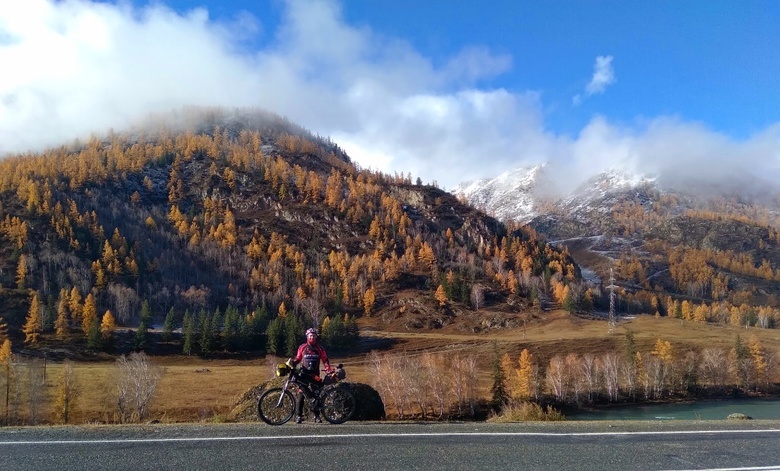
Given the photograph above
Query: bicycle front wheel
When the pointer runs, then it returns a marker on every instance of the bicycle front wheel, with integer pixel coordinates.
(338, 405)
(276, 406)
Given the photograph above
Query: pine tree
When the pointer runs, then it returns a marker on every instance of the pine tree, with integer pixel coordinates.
(245, 336)
(499, 387)
(205, 340)
(276, 335)
(141, 340)
(230, 333)
(146, 313)
(292, 334)
(510, 379)
(94, 340)
(169, 325)
(216, 329)
(33, 324)
(188, 333)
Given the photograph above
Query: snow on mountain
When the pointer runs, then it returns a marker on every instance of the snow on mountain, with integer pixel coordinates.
(598, 190)
(516, 194)
(507, 196)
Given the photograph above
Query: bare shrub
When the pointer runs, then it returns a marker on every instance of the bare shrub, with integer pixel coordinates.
(137, 383)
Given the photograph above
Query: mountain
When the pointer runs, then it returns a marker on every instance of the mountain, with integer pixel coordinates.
(511, 195)
(232, 221)
(674, 239)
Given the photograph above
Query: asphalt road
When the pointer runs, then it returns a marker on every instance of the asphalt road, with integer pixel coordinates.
(387, 445)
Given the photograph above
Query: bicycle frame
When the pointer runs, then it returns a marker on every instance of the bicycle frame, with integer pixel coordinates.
(303, 388)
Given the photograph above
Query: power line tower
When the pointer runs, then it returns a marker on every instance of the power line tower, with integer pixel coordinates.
(611, 288)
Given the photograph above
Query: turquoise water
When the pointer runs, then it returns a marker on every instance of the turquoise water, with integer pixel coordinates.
(702, 410)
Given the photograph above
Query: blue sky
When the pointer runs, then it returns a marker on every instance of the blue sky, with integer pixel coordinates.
(448, 90)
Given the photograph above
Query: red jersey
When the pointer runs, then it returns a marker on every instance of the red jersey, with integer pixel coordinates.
(310, 356)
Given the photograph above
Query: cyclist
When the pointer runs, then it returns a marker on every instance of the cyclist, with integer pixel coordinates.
(309, 355)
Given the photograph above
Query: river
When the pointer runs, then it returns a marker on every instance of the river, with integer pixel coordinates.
(700, 410)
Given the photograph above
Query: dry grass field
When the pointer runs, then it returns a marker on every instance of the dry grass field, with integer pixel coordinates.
(194, 389)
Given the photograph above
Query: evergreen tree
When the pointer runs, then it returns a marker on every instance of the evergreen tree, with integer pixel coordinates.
(205, 341)
(260, 320)
(245, 334)
(292, 330)
(146, 313)
(142, 335)
(276, 337)
(230, 334)
(499, 388)
(216, 330)
(168, 325)
(188, 333)
(333, 330)
(94, 339)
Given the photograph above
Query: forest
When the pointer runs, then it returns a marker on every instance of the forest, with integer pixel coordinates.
(228, 231)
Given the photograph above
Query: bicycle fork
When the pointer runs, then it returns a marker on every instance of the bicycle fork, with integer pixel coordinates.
(281, 396)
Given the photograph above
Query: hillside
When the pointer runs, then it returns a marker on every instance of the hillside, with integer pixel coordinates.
(666, 242)
(243, 224)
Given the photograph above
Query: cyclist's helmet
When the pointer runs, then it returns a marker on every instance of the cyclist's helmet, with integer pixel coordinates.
(312, 331)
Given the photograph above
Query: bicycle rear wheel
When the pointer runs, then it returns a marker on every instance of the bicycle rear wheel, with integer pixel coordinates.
(338, 405)
(276, 406)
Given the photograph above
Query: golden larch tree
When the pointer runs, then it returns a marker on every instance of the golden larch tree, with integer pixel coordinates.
(75, 306)
(369, 298)
(89, 316)
(441, 296)
(759, 357)
(525, 375)
(21, 272)
(107, 326)
(5, 352)
(664, 351)
(61, 323)
(34, 322)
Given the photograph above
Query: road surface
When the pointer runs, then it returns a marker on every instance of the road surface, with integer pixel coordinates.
(378, 446)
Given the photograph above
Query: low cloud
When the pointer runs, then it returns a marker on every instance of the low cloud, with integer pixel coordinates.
(75, 67)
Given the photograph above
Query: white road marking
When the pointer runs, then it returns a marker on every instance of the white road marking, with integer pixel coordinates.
(387, 435)
(751, 468)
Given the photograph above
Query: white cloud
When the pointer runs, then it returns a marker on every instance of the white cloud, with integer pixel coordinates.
(72, 67)
(603, 75)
